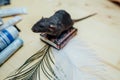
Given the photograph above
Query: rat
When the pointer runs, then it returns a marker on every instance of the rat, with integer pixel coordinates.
(56, 24)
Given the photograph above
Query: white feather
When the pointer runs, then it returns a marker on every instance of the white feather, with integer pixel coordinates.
(78, 62)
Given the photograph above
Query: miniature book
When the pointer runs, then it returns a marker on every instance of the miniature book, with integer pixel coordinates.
(61, 41)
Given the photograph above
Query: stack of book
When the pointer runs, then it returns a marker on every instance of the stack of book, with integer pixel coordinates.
(9, 33)
(60, 41)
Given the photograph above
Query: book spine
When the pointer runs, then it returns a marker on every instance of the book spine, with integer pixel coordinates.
(12, 11)
(11, 22)
(8, 51)
(7, 36)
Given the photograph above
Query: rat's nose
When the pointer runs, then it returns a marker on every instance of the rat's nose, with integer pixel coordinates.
(34, 29)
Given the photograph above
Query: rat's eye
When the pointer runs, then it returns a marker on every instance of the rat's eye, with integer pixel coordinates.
(52, 27)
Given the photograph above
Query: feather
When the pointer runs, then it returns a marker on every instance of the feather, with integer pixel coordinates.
(79, 62)
(41, 62)
(76, 61)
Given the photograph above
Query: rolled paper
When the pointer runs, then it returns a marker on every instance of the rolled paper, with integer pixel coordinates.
(7, 36)
(11, 22)
(8, 51)
(12, 11)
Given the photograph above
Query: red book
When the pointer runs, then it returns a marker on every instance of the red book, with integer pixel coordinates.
(62, 40)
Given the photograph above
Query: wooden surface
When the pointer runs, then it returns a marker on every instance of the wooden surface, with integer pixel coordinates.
(101, 32)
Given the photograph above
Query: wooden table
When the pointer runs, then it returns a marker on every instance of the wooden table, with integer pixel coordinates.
(101, 32)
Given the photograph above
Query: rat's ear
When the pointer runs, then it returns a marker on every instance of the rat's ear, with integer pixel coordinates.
(42, 17)
(52, 27)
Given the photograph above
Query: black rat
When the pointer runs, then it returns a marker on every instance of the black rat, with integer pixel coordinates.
(56, 24)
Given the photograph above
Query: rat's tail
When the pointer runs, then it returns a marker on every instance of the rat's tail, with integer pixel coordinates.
(76, 20)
